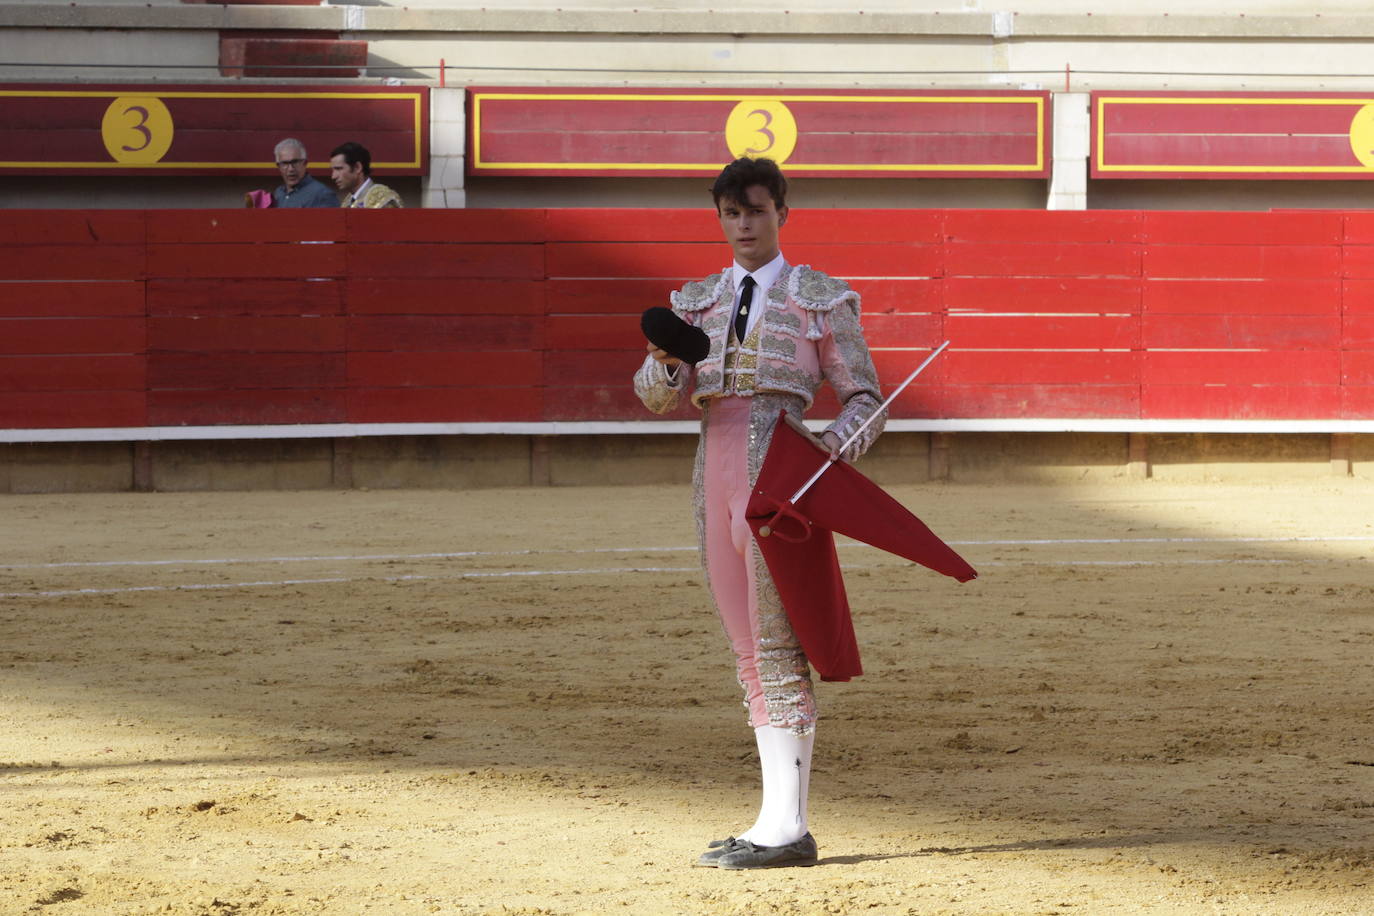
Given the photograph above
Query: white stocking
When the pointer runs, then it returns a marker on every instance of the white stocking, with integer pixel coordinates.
(785, 760)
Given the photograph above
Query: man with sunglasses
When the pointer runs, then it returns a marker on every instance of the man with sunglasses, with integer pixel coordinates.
(298, 187)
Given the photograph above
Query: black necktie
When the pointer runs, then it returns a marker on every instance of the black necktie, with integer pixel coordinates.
(742, 315)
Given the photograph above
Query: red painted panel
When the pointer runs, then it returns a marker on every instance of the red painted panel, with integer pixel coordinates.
(1253, 297)
(245, 407)
(410, 261)
(1284, 262)
(876, 260)
(899, 296)
(96, 372)
(594, 368)
(426, 333)
(247, 296)
(248, 333)
(1052, 332)
(1064, 226)
(1224, 367)
(71, 409)
(634, 225)
(1358, 331)
(412, 369)
(267, 260)
(903, 330)
(72, 227)
(1228, 228)
(231, 371)
(245, 226)
(1359, 227)
(593, 332)
(1042, 294)
(1284, 112)
(1238, 401)
(1271, 332)
(1042, 259)
(1357, 402)
(56, 299)
(1357, 367)
(895, 365)
(599, 296)
(1357, 296)
(445, 296)
(27, 336)
(682, 261)
(1040, 400)
(609, 402)
(72, 262)
(1218, 152)
(445, 405)
(1357, 261)
(510, 226)
(1040, 367)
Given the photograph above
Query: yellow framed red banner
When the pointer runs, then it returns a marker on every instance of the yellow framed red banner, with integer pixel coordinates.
(818, 133)
(201, 130)
(1255, 135)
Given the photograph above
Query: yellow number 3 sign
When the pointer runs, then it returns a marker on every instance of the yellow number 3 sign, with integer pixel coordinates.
(761, 127)
(137, 129)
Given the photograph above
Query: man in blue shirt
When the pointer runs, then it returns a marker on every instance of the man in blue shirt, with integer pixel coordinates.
(298, 188)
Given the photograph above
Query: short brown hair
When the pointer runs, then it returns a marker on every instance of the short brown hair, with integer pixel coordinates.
(737, 177)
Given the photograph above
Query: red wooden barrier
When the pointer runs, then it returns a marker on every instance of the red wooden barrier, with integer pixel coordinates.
(245, 318)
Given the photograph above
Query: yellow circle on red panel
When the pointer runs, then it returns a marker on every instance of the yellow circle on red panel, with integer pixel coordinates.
(137, 129)
(1362, 136)
(761, 127)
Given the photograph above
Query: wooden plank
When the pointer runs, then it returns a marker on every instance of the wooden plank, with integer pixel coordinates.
(877, 260)
(1228, 367)
(234, 371)
(636, 260)
(1175, 227)
(445, 296)
(1357, 402)
(1093, 295)
(255, 261)
(593, 332)
(246, 407)
(445, 405)
(72, 262)
(93, 372)
(246, 227)
(1272, 332)
(71, 409)
(449, 226)
(1042, 259)
(1048, 332)
(590, 368)
(1239, 401)
(409, 261)
(72, 227)
(1359, 227)
(1357, 367)
(649, 224)
(1357, 296)
(1253, 297)
(1357, 261)
(896, 364)
(412, 369)
(426, 333)
(1357, 331)
(1040, 367)
(186, 298)
(606, 295)
(1039, 400)
(1267, 262)
(248, 333)
(903, 330)
(56, 299)
(1021, 226)
(589, 402)
(899, 296)
(60, 336)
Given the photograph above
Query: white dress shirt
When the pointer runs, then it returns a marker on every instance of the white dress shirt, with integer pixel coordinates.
(764, 278)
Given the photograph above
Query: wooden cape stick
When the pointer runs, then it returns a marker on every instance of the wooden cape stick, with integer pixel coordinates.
(850, 441)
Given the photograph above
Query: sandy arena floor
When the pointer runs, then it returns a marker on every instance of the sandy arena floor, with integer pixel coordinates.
(1157, 699)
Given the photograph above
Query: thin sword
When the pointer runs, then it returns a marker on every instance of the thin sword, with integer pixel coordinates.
(858, 432)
